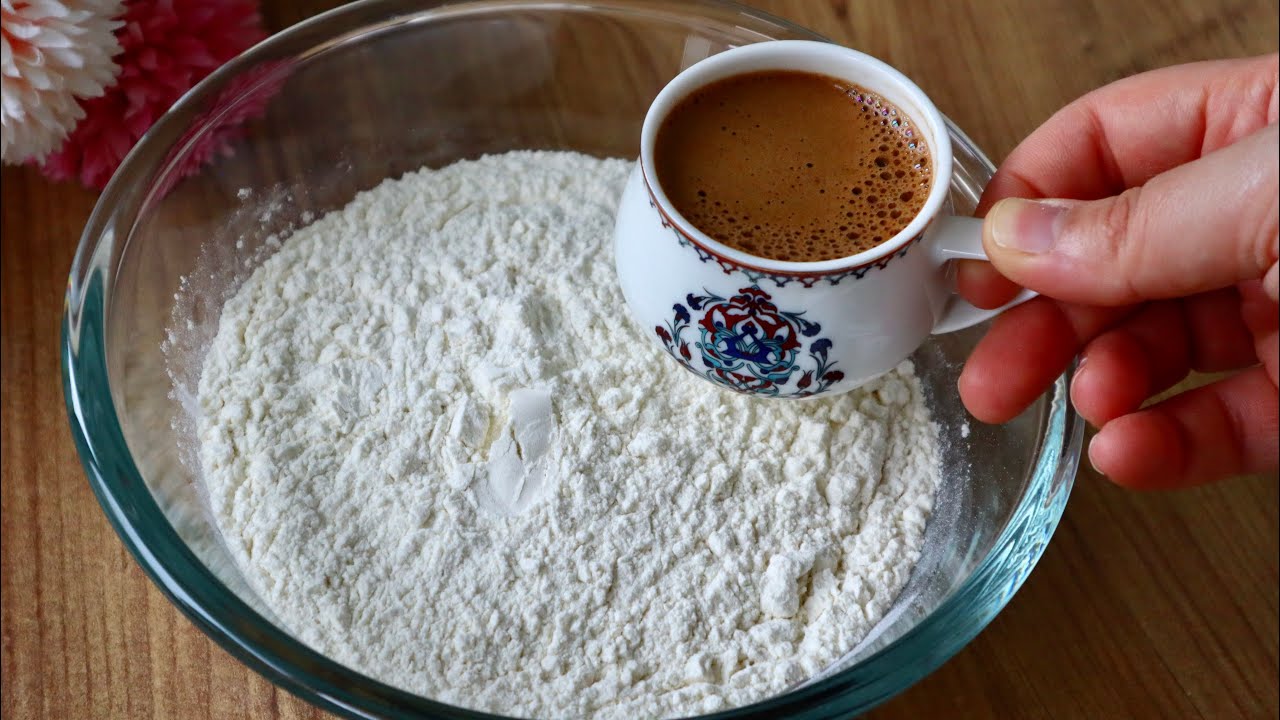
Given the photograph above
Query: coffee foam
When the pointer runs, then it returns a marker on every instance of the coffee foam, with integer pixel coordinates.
(793, 166)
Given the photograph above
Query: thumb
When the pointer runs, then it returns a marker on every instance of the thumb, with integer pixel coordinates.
(1204, 225)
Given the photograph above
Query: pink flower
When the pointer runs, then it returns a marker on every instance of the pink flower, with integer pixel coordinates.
(213, 131)
(168, 46)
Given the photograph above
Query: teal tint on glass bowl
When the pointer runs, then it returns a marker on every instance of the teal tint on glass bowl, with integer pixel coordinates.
(297, 126)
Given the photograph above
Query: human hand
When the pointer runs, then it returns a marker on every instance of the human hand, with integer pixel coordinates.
(1157, 257)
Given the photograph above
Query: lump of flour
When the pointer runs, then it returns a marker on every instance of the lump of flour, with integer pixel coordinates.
(443, 456)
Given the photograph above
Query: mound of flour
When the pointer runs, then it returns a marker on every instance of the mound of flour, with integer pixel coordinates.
(444, 457)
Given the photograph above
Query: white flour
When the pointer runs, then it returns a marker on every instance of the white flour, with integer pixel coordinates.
(444, 457)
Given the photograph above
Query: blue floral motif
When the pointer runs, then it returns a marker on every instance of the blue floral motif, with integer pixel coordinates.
(682, 315)
(748, 345)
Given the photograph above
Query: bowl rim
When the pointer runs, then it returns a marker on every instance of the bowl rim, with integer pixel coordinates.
(257, 642)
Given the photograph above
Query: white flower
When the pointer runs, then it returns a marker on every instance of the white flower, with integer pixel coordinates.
(54, 52)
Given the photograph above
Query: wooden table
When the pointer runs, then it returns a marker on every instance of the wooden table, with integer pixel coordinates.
(1145, 605)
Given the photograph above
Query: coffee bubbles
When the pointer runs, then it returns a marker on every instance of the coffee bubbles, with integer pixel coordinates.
(793, 166)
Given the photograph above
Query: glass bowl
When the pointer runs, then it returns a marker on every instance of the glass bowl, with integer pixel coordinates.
(301, 123)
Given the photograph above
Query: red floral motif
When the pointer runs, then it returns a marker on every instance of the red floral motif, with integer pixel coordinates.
(779, 278)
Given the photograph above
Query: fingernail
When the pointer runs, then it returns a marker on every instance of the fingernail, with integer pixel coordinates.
(1075, 383)
(1027, 226)
(1271, 282)
(1089, 454)
(1075, 377)
(1092, 463)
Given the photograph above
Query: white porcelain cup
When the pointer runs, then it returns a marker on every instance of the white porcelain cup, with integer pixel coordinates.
(778, 329)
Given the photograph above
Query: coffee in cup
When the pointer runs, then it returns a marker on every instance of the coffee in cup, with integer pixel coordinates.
(793, 166)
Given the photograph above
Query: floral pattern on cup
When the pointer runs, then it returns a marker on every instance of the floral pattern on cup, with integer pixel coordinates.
(746, 344)
(780, 279)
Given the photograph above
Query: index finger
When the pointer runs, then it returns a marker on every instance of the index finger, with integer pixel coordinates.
(1122, 135)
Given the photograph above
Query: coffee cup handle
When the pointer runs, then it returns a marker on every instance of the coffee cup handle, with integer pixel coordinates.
(952, 237)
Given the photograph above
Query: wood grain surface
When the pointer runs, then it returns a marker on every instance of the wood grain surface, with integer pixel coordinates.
(1144, 606)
